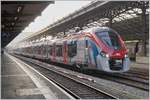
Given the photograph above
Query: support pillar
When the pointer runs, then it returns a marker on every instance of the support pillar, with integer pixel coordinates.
(64, 32)
(144, 29)
(110, 22)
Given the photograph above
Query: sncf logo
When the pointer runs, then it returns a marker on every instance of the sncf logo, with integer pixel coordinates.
(117, 54)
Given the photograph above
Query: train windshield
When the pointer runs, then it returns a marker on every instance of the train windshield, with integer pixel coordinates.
(110, 39)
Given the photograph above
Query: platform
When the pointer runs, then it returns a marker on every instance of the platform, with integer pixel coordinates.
(142, 66)
(18, 84)
(141, 62)
(142, 59)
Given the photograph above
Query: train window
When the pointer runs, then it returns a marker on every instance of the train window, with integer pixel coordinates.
(72, 49)
(86, 42)
(36, 50)
(39, 49)
(50, 50)
(44, 49)
(110, 39)
(59, 50)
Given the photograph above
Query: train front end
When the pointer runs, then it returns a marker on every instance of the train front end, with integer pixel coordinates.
(113, 56)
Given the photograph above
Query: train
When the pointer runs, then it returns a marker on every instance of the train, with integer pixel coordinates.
(98, 48)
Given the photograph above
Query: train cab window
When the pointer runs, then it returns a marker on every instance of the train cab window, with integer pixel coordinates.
(72, 49)
(110, 39)
(59, 50)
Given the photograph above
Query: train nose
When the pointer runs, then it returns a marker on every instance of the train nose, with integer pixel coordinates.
(117, 55)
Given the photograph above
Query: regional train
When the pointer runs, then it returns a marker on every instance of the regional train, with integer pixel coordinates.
(99, 48)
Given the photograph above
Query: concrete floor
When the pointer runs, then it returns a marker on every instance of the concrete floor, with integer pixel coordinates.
(20, 81)
(16, 84)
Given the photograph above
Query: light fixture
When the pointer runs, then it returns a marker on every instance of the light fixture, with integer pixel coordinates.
(126, 55)
(19, 9)
(13, 24)
(103, 54)
(107, 55)
(15, 18)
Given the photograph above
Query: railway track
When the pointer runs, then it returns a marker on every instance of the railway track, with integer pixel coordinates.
(133, 74)
(78, 89)
(124, 78)
(139, 73)
(138, 76)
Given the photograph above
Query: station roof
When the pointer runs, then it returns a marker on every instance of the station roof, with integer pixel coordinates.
(16, 15)
(129, 28)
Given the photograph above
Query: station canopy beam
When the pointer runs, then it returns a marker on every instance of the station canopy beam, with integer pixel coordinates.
(123, 16)
(16, 15)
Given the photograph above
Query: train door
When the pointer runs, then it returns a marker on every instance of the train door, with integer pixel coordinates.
(50, 52)
(81, 51)
(93, 52)
(59, 54)
(47, 49)
(86, 53)
(46, 53)
(54, 54)
(42, 52)
(65, 52)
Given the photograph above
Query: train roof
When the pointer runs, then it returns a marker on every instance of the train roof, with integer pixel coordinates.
(97, 29)
(72, 37)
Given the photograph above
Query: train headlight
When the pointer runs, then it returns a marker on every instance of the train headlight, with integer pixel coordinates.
(126, 55)
(104, 54)
(107, 55)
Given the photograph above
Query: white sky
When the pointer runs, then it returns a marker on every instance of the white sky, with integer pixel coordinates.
(51, 14)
